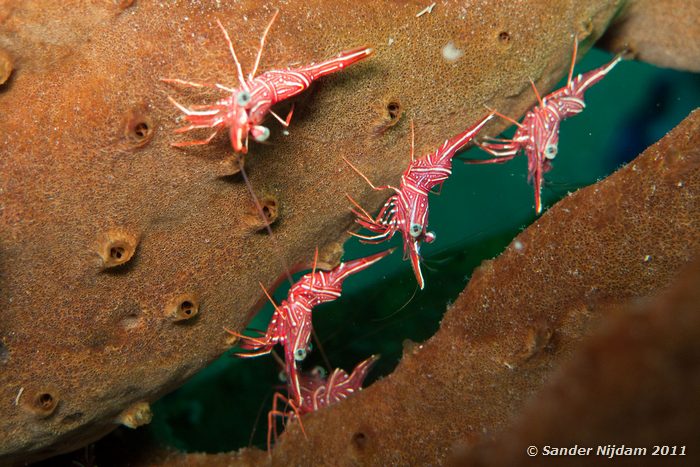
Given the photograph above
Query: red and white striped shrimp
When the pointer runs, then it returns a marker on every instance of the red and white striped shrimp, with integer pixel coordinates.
(246, 107)
(538, 133)
(291, 324)
(319, 390)
(407, 210)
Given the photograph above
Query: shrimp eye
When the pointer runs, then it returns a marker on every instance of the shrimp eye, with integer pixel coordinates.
(261, 133)
(282, 376)
(415, 230)
(243, 98)
(550, 152)
(320, 372)
(299, 355)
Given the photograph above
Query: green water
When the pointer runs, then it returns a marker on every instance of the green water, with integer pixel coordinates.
(480, 210)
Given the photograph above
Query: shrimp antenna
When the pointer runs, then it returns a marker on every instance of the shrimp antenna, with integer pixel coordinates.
(537, 93)
(573, 62)
(267, 294)
(384, 318)
(233, 54)
(262, 44)
(413, 141)
(503, 116)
